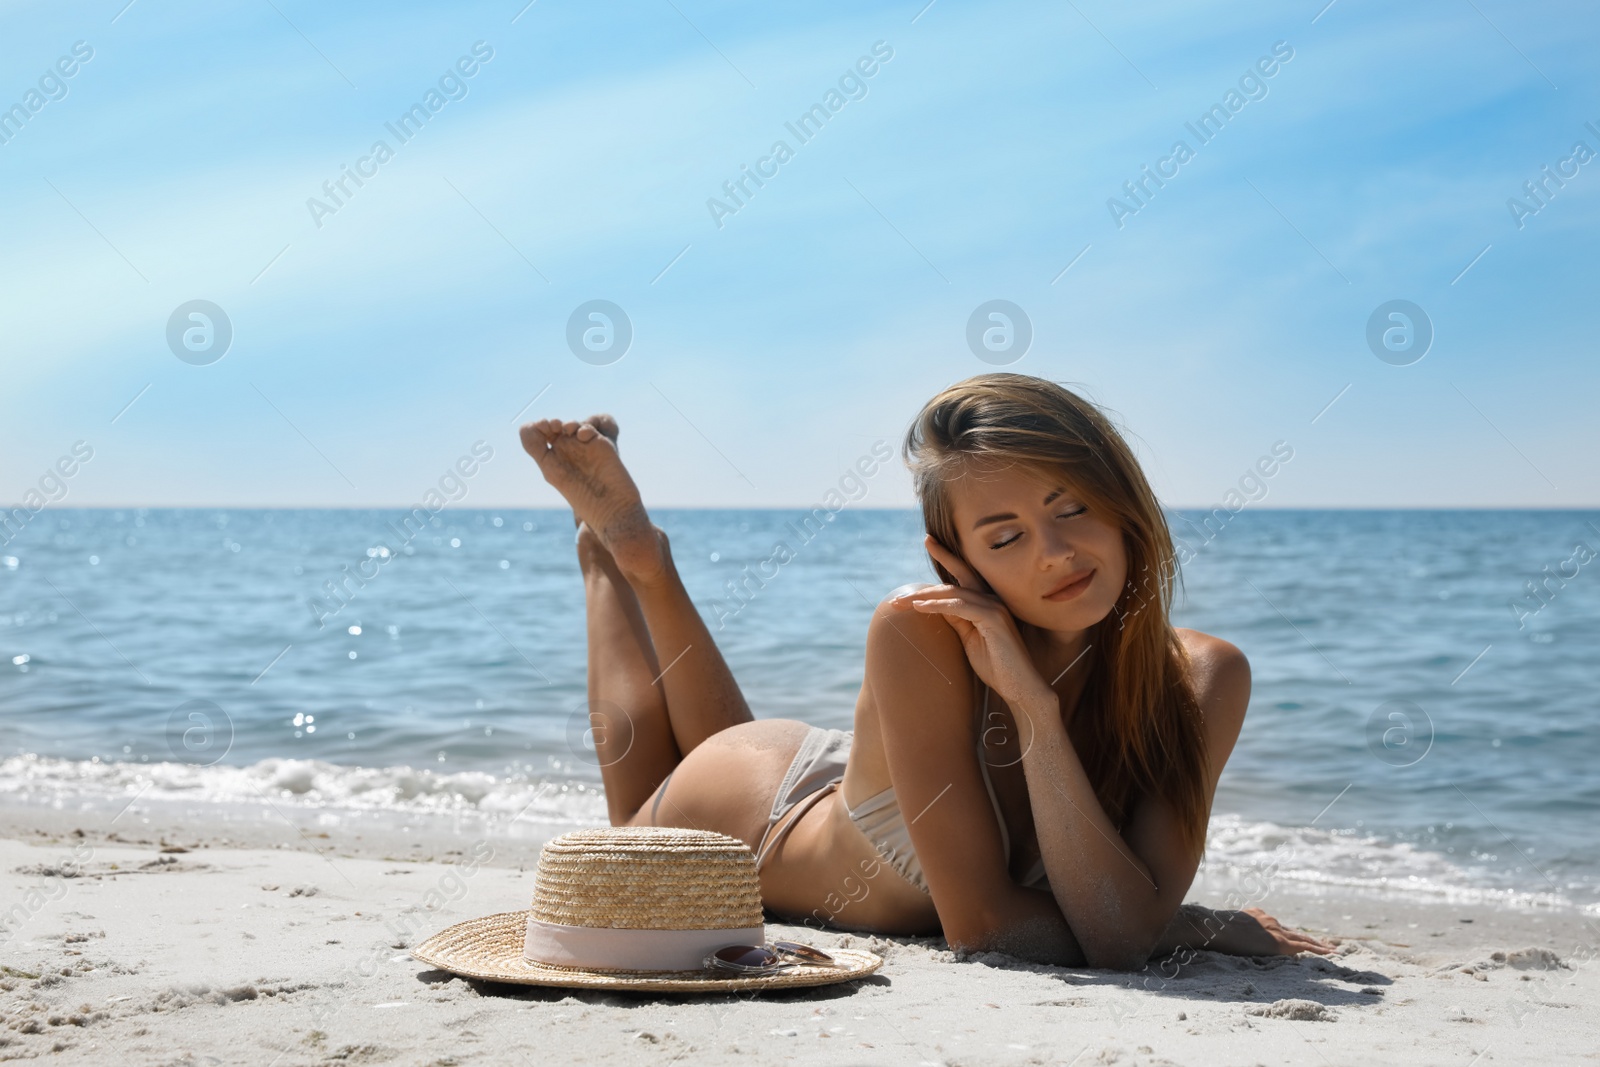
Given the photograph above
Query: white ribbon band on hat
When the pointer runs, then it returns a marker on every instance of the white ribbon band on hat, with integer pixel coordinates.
(610, 948)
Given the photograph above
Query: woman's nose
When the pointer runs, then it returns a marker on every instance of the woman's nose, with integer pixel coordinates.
(1054, 547)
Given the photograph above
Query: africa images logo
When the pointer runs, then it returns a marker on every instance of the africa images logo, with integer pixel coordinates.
(852, 85)
(451, 85)
(1252, 85)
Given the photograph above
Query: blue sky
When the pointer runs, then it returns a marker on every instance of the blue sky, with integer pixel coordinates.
(372, 351)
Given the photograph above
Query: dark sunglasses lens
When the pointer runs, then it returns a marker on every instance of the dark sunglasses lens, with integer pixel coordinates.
(803, 953)
(746, 956)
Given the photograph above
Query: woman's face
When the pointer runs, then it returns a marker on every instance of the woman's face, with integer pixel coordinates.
(1054, 562)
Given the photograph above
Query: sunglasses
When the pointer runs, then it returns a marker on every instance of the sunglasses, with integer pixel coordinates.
(766, 959)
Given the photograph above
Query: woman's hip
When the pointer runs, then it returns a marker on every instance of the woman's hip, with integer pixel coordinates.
(728, 783)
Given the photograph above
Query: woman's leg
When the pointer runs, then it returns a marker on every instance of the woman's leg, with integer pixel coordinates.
(653, 665)
(699, 688)
(628, 716)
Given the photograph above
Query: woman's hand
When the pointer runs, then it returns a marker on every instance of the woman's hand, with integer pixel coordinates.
(993, 644)
(1252, 932)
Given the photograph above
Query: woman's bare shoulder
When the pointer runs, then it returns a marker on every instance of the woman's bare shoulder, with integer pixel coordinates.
(1204, 648)
(922, 653)
(1219, 672)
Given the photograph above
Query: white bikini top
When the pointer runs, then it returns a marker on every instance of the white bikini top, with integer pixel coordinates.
(879, 817)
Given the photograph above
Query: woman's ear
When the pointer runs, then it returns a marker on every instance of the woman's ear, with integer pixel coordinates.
(952, 568)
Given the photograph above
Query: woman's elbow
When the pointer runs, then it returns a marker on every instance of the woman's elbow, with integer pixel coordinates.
(1124, 940)
(1032, 939)
(976, 934)
(1118, 954)
(1116, 959)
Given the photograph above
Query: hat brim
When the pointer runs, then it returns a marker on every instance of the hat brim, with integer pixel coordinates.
(490, 949)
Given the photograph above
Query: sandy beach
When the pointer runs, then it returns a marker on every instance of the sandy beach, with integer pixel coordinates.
(161, 945)
(1021, 443)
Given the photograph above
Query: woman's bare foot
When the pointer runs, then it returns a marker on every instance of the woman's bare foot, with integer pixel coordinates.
(580, 460)
(607, 425)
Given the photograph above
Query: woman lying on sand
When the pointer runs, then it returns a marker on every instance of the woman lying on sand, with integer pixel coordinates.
(1035, 747)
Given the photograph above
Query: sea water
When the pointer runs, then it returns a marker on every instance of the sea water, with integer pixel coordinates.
(1423, 717)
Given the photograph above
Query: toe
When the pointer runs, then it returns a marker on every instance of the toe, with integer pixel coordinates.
(533, 439)
(587, 432)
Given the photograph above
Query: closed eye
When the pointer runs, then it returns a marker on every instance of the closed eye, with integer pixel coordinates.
(1074, 513)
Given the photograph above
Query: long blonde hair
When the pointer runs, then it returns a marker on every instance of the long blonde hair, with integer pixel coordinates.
(1138, 728)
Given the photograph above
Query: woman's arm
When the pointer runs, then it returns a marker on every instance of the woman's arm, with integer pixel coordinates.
(1118, 900)
(921, 688)
(1127, 887)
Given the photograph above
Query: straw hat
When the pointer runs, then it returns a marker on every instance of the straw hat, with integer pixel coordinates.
(634, 908)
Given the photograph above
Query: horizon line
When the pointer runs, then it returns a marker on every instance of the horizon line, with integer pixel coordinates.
(778, 507)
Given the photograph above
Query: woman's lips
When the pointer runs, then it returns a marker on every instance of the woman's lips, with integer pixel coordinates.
(1072, 588)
